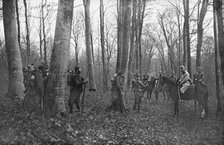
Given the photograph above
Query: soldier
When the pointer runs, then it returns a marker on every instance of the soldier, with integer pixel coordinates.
(160, 74)
(185, 80)
(199, 76)
(76, 84)
(145, 78)
(44, 69)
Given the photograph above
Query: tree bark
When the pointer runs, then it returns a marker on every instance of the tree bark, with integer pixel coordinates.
(219, 36)
(89, 52)
(15, 86)
(119, 34)
(18, 24)
(105, 87)
(187, 35)
(54, 95)
(200, 31)
(27, 32)
(40, 34)
(44, 33)
(124, 40)
(141, 13)
(132, 41)
(179, 46)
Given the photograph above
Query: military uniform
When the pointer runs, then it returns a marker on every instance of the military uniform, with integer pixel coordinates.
(185, 80)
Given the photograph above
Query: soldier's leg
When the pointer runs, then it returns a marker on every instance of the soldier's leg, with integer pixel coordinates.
(139, 102)
(71, 100)
(156, 95)
(135, 103)
(77, 103)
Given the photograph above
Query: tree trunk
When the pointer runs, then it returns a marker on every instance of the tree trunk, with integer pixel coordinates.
(76, 53)
(18, 24)
(40, 35)
(141, 14)
(218, 34)
(184, 44)
(44, 33)
(132, 41)
(89, 53)
(105, 87)
(200, 31)
(27, 32)
(119, 34)
(179, 45)
(54, 95)
(187, 35)
(15, 86)
(125, 15)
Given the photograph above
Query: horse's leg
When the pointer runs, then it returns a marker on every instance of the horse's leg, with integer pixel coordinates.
(175, 104)
(134, 108)
(195, 106)
(70, 104)
(139, 102)
(147, 94)
(150, 95)
(164, 96)
(156, 95)
(177, 110)
(204, 112)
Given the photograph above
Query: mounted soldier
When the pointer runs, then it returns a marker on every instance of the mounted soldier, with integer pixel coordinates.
(185, 80)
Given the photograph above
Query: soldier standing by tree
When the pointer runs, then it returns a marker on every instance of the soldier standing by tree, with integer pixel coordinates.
(76, 83)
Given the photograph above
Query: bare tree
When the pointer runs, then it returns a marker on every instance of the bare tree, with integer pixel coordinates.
(140, 19)
(54, 95)
(219, 36)
(18, 23)
(186, 37)
(124, 27)
(43, 4)
(77, 29)
(105, 87)
(40, 32)
(133, 27)
(16, 87)
(201, 17)
(89, 51)
(27, 32)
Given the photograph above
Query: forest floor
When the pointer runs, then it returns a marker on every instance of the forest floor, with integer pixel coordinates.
(153, 125)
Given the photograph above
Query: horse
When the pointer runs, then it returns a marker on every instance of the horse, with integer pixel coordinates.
(149, 88)
(160, 88)
(196, 92)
